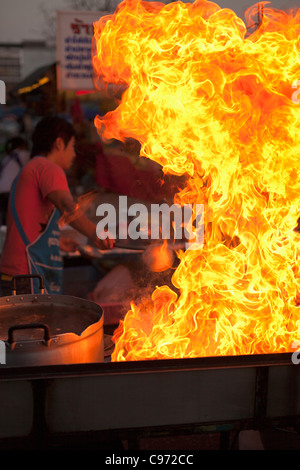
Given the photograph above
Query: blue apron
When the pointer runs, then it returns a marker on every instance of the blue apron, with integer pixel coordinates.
(43, 254)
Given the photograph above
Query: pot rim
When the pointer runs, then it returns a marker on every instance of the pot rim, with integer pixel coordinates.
(10, 302)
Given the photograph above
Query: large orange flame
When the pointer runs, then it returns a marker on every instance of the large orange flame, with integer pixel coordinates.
(206, 99)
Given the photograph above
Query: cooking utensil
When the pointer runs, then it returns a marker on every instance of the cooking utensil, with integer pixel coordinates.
(72, 329)
(152, 255)
(93, 252)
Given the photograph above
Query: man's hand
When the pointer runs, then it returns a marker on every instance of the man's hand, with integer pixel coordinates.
(68, 244)
(65, 203)
(104, 244)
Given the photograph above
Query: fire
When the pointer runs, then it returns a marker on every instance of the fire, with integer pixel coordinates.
(158, 257)
(206, 99)
(83, 204)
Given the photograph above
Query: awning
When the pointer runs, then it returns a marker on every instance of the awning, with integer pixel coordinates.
(36, 79)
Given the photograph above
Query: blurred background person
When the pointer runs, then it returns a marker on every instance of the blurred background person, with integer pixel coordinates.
(17, 155)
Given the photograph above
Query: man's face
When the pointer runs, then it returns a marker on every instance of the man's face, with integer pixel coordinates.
(67, 154)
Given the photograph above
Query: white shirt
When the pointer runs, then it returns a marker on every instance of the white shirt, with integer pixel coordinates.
(11, 168)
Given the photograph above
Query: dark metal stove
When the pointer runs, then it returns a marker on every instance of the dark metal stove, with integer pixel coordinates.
(48, 405)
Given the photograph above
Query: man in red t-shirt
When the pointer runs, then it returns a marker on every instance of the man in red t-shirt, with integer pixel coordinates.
(32, 244)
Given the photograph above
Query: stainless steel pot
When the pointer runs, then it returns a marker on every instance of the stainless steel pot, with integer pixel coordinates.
(42, 329)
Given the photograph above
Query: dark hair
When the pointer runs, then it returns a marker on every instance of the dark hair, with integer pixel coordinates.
(15, 143)
(47, 131)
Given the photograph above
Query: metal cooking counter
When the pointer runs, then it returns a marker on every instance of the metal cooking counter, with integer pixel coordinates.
(44, 405)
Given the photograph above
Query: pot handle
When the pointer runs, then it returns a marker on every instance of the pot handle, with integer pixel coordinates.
(28, 326)
(27, 276)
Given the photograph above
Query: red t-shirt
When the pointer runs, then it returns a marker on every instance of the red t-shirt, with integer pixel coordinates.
(38, 179)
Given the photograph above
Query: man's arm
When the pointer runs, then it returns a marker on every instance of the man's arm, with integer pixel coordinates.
(65, 203)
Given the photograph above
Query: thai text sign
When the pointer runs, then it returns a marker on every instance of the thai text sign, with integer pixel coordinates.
(74, 49)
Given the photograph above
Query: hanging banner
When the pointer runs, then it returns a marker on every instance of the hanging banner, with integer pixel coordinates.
(74, 49)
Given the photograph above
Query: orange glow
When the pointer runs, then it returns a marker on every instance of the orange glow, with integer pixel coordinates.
(158, 257)
(206, 99)
(84, 203)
